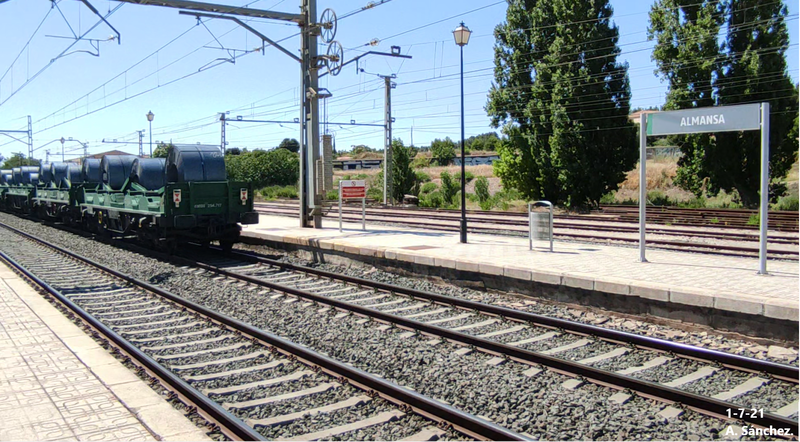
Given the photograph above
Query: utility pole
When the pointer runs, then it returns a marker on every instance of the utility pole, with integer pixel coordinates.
(387, 137)
(141, 147)
(309, 115)
(30, 138)
(222, 132)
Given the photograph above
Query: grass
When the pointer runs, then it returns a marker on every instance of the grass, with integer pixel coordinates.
(275, 192)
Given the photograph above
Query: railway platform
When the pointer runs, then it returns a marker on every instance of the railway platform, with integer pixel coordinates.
(57, 383)
(718, 291)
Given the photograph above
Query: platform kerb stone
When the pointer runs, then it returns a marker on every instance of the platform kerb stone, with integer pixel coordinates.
(404, 256)
(424, 260)
(781, 309)
(650, 291)
(325, 245)
(615, 286)
(444, 262)
(546, 277)
(491, 269)
(517, 273)
(390, 254)
(578, 281)
(367, 251)
(739, 303)
(352, 250)
(693, 297)
(468, 266)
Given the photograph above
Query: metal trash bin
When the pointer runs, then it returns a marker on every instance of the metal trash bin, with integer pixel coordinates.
(540, 223)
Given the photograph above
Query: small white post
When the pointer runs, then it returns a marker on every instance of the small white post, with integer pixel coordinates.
(764, 204)
(364, 213)
(530, 228)
(642, 184)
(552, 234)
(340, 207)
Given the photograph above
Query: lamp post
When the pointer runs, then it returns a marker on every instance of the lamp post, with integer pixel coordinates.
(150, 116)
(62, 149)
(461, 35)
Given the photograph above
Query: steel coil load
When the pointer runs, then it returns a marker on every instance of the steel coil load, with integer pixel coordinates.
(45, 175)
(116, 169)
(29, 174)
(149, 172)
(195, 163)
(73, 176)
(90, 171)
(6, 176)
(58, 171)
(16, 175)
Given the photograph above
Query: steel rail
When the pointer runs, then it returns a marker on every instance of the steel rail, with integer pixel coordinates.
(713, 249)
(523, 222)
(230, 425)
(702, 404)
(785, 372)
(464, 422)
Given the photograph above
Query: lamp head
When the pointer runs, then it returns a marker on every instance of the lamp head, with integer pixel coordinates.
(461, 35)
(150, 116)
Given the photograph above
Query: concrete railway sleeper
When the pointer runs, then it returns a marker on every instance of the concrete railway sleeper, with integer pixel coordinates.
(253, 384)
(529, 338)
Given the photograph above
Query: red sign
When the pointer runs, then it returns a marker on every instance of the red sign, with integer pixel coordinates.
(353, 189)
(243, 196)
(176, 197)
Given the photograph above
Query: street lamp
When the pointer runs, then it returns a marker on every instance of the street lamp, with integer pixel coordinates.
(62, 149)
(150, 116)
(461, 35)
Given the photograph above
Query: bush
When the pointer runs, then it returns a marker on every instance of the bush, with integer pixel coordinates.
(427, 188)
(754, 220)
(422, 177)
(449, 187)
(694, 203)
(657, 198)
(432, 200)
(273, 192)
(375, 193)
(609, 198)
(277, 167)
(787, 203)
(421, 162)
(482, 189)
(332, 195)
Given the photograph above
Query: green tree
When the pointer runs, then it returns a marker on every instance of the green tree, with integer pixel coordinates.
(162, 150)
(290, 144)
(443, 151)
(562, 100)
(19, 160)
(754, 70)
(687, 56)
(404, 180)
(450, 187)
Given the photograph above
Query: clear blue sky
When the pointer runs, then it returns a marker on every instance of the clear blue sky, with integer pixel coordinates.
(75, 95)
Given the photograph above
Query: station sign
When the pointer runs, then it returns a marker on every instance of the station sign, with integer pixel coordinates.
(707, 119)
(351, 189)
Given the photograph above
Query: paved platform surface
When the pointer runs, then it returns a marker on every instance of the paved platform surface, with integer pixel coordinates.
(694, 279)
(57, 383)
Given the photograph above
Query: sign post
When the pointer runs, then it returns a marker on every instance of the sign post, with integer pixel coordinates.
(353, 189)
(708, 119)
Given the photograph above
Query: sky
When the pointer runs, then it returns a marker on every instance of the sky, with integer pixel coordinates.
(174, 66)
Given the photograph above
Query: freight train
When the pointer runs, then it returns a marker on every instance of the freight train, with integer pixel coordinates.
(185, 197)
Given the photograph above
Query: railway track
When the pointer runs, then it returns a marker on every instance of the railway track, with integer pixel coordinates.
(633, 364)
(251, 384)
(782, 245)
